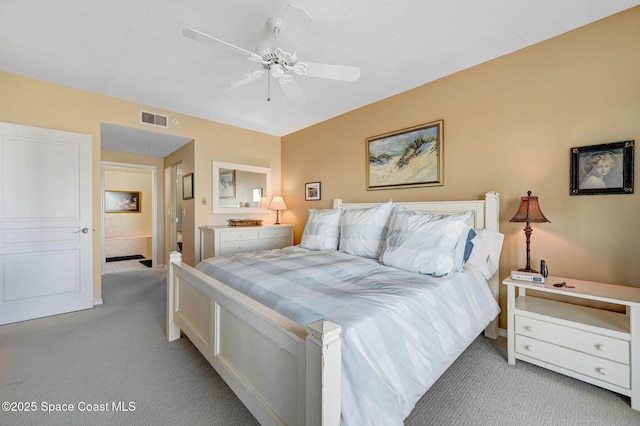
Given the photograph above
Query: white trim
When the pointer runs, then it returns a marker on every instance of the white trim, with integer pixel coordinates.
(97, 302)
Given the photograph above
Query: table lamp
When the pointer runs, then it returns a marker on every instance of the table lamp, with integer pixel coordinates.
(529, 211)
(277, 204)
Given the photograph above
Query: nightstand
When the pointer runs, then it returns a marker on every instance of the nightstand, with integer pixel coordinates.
(594, 345)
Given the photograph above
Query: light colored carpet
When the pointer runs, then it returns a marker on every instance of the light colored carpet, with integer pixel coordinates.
(118, 353)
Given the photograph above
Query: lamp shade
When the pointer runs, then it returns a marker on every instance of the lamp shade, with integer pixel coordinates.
(277, 203)
(529, 210)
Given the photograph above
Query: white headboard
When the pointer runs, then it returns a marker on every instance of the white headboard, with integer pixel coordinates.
(486, 216)
(486, 212)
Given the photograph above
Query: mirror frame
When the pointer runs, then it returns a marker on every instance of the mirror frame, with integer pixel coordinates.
(215, 189)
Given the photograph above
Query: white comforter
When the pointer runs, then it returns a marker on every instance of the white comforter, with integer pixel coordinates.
(400, 329)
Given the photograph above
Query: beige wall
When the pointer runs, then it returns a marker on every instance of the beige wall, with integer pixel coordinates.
(40, 104)
(508, 127)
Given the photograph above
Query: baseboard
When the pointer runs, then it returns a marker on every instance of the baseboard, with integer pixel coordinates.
(502, 332)
(97, 302)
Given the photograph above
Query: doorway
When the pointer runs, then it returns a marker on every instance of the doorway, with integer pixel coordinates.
(129, 237)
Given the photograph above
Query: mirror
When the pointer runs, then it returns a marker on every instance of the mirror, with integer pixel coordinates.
(239, 188)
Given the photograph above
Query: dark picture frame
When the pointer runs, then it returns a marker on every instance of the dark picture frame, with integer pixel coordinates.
(602, 169)
(312, 191)
(187, 186)
(122, 201)
(406, 158)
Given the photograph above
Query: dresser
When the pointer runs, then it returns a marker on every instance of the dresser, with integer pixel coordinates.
(598, 346)
(219, 240)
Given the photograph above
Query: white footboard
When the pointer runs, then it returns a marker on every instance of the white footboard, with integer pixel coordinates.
(284, 373)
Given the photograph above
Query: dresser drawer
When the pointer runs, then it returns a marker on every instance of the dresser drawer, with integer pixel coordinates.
(275, 243)
(241, 246)
(276, 232)
(591, 343)
(248, 234)
(588, 365)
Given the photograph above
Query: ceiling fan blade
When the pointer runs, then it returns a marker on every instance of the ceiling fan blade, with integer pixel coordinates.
(206, 38)
(334, 72)
(292, 89)
(245, 79)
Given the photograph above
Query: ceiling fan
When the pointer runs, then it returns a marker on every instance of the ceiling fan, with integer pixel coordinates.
(277, 63)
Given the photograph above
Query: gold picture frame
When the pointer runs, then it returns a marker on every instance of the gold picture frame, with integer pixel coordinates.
(406, 158)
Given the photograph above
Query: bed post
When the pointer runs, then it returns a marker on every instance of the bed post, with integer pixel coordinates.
(323, 361)
(492, 222)
(173, 331)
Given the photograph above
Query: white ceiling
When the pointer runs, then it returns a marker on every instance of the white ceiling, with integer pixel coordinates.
(135, 50)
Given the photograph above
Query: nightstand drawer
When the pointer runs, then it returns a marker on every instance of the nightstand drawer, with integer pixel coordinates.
(249, 234)
(591, 343)
(598, 368)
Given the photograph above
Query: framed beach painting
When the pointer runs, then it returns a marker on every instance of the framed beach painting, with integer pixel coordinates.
(121, 202)
(602, 169)
(406, 158)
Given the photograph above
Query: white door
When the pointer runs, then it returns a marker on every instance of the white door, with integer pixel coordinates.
(45, 222)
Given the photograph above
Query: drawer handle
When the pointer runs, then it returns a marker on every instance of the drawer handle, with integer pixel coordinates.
(602, 371)
(530, 348)
(601, 347)
(529, 328)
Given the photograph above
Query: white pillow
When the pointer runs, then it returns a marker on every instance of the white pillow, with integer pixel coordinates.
(424, 243)
(363, 231)
(322, 231)
(485, 256)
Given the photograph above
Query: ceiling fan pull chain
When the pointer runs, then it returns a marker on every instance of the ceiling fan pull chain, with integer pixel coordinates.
(268, 87)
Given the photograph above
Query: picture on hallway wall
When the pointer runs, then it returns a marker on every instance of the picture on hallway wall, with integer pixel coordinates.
(187, 186)
(602, 169)
(122, 202)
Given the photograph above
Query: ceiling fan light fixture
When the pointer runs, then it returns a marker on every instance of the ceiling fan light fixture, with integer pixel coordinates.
(265, 47)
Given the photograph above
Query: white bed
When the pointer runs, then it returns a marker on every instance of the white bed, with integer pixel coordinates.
(286, 373)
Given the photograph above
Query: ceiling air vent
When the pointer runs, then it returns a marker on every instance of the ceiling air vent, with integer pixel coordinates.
(153, 119)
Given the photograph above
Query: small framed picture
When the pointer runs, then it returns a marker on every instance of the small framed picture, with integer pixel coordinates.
(187, 186)
(312, 191)
(602, 169)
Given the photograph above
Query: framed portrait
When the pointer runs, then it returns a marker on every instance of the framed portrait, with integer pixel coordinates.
(227, 185)
(187, 186)
(406, 158)
(602, 169)
(312, 191)
(122, 202)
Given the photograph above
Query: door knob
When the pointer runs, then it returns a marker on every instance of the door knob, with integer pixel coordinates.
(83, 230)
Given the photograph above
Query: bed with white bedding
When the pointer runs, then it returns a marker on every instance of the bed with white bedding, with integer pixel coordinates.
(351, 327)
